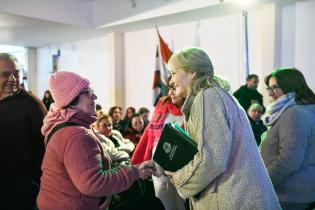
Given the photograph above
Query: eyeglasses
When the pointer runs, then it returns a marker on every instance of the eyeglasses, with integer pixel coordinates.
(89, 91)
(7, 74)
(272, 89)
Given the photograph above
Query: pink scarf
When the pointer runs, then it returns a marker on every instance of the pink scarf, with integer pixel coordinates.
(153, 131)
(58, 116)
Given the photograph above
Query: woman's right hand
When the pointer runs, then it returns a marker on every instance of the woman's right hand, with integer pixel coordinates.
(146, 169)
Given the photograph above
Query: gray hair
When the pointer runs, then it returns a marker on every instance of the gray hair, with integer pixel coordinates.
(9, 58)
(196, 60)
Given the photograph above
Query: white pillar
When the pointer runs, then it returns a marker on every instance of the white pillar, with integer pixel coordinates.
(116, 69)
(271, 47)
(31, 69)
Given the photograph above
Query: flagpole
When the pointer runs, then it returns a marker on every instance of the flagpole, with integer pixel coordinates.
(245, 18)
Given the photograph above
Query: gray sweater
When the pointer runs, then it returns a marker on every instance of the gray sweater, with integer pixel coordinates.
(227, 172)
(288, 150)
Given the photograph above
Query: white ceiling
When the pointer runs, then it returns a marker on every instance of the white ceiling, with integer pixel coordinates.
(44, 22)
(30, 32)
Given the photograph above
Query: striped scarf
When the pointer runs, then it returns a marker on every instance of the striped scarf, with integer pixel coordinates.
(154, 129)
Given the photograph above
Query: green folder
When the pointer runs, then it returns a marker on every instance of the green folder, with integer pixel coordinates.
(175, 148)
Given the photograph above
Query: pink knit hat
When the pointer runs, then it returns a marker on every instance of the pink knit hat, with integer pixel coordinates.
(66, 86)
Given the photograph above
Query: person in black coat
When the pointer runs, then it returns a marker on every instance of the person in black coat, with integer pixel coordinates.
(47, 99)
(22, 144)
(248, 94)
(254, 113)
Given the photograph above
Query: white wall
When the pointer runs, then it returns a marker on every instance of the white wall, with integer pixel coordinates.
(87, 58)
(298, 38)
(44, 69)
(288, 35)
(140, 48)
(305, 40)
(221, 37)
(279, 35)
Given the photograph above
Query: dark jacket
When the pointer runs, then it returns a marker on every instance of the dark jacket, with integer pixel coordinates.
(47, 102)
(133, 135)
(120, 126)
(258, 129)
(22, 146)
(245, 95)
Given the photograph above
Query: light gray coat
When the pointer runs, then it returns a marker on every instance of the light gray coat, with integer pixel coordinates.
(227, 172)
(288, 150)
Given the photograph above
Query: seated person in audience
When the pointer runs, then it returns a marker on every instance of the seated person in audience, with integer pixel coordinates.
(116, 113)
(145, 115)
(254, 113)
(103, 130)
(134, 129)
(99, 113)
(129, 112)
(113, 138)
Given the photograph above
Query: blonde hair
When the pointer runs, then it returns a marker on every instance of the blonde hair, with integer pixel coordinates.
(100, 113)
(103, 117)
(196, 60)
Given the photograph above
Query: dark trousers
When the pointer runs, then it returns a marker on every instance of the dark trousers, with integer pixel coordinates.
(18, 193)
(293, 206)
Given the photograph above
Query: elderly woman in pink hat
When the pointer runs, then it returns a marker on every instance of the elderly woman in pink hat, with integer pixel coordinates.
(76, 171)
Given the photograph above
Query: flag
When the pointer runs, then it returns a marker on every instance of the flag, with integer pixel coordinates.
(157, 89)
(165, 51)
(166, 54)
(161, 74)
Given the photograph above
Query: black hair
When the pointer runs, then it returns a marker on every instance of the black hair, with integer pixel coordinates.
(290, 79)
(251, 76)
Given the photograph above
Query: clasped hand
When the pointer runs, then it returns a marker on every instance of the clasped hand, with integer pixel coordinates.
(146, 169)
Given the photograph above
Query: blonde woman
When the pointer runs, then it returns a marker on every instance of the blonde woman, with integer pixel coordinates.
(227, 172)
(118, 148)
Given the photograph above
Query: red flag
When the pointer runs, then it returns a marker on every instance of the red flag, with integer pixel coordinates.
(161, 74)
(157, 83)
(157, 73)
(165, 51)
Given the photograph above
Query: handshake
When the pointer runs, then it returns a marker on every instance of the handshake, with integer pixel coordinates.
(146, 169)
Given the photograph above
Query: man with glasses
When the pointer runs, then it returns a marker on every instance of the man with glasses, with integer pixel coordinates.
(22, 145)
(248, 94)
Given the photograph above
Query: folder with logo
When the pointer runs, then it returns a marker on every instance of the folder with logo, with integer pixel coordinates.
(175, 148)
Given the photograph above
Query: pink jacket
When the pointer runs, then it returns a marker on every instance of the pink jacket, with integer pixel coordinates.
(76, 171)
